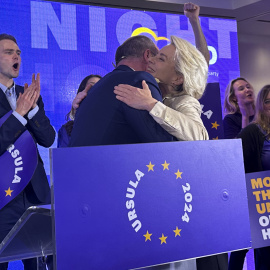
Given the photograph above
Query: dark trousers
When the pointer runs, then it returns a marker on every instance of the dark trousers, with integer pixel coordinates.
(10, 214)
(261, 259)
(237, 259)
(215, 262)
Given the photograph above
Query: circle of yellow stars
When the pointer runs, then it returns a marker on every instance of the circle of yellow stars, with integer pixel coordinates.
(177, 231)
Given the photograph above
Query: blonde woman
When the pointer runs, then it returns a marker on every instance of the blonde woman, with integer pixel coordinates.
(182, 73)
(238, 107)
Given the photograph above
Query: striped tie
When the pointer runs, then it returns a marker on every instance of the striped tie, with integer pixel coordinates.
(9, 92)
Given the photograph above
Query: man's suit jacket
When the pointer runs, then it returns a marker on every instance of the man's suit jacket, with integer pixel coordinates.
(43, 134)
(102, 119)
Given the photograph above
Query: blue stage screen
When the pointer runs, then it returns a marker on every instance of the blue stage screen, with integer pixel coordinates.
(66, 42)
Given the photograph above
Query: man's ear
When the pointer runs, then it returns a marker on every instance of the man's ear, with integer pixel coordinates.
(147, 55)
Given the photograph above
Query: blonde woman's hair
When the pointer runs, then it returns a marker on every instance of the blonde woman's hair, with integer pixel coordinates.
(230, 103)
(190, 63)
(260, 116)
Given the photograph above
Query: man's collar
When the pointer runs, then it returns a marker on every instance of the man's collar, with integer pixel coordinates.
(4, 88)
(125, 67)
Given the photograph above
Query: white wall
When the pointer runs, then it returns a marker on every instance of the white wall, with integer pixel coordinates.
(254, 57)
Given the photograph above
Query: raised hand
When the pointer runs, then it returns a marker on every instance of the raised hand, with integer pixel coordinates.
(192, 11)
(26, 100)
(36, 84)
(137, 98)
(78, 99)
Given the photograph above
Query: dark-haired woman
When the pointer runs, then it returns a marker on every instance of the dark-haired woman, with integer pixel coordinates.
(64, 132)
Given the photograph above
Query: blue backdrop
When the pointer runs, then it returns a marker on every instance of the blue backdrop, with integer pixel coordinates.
(66, 42)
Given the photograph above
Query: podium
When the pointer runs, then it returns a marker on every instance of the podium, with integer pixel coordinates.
(30, 237)
(132, 206)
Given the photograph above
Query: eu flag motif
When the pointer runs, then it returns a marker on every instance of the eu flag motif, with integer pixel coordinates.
(130, 206)
(17, 165)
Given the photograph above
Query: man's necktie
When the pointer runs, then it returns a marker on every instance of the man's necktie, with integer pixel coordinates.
(9, 92)
(11, 98)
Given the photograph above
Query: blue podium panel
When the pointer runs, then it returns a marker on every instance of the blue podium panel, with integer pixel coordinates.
(258, 185)
(129, 206)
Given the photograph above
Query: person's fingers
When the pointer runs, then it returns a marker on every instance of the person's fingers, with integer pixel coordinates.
(33, 78)
(125, 87)
(38, 82)
(145, 85)
(29, 93)
(87, 88)
(123, 90)
(187, 6)
(190, 6)
(33, 97)
(38, 78)
(19, 98)
(123, 99)
(82, 94)
(121, 93)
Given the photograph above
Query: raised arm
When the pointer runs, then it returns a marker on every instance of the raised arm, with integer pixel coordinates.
(192, 12)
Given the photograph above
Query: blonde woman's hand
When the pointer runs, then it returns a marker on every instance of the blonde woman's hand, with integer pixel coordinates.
(137, 98)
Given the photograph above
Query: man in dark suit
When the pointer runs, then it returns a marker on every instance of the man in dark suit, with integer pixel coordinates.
(102, 119)
(28, 114)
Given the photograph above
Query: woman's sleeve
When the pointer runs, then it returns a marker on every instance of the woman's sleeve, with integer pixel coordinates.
(184, 123)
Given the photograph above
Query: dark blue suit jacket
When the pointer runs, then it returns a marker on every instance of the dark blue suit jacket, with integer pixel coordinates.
(102, 119)
(43, 134)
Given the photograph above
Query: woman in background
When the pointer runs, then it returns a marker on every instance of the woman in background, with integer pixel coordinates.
(256, 150)
(64, 132)
(238, 107)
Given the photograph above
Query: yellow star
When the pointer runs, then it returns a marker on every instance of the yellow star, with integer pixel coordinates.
(147, 236)
(215, 125)
(150, 167)
(163, 239)
(215, 138)
(177, 231)
(8, 192)
(165, 165)
(178, 174)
